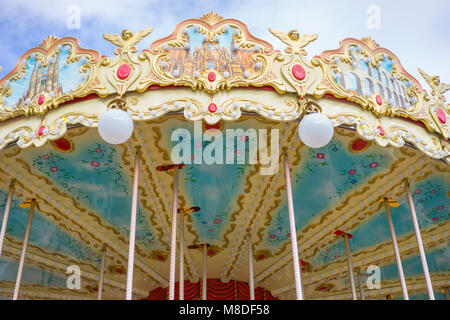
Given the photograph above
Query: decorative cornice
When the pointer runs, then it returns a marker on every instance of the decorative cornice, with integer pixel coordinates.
(214, 55)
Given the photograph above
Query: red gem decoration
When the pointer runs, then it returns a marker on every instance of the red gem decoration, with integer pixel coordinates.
(63, 144)
(298, 72)
(441, 115)
(212, 108)
(41, 131)
(341, 233)
(359, 144)
(123, 71)
(211, 76)
(41, 99)
(379, 100)
(381, 130)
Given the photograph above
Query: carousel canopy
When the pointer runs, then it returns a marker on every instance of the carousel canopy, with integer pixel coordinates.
(214, 91)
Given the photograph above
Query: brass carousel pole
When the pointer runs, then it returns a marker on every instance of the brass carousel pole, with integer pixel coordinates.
(396, 251)
(102, 273)
(350, 266)
(205, 279)
(423, 259)
(131, 249)
(250, 268)
(444, 290)
(32, 205)
(6, 214)
(293, 231)
(361, 287)
(349, 260)
(181, 286)
(182, 212)
(173, 243)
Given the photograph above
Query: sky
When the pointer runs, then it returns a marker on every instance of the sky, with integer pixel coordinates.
(416, 31)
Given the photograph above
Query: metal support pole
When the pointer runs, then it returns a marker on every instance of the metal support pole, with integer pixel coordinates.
(293, 231)
(205, 279)
(181, 286)
(423, 259)
(350, 267)
(445, 291)
(129, 288)
(361, 287)
(24, 249)
(6, 215)
(396, 251)
(173, 242)
(102, 273)
(250, 268)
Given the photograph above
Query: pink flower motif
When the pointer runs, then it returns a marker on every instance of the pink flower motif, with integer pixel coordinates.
(236, 151)
(351, 171)
(98, 150)
(95, 163)
(244, 138)
(53, 169)
(440, 207)
(418, 191)
(433, 191)
(198, 144)
(217, 221)
(46, 156)
(435, 218)
(320, 155)
(374, 165)
(211, 230)
(288, 235)
(272, 236)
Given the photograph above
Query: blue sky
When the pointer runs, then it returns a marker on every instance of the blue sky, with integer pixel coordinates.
(416, 31)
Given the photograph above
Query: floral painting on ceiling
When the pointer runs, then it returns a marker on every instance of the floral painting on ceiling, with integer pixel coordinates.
(322, 179)
(92, 174)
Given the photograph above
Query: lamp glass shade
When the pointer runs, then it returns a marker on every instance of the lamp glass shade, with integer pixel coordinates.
(115, 126)
(315, 130)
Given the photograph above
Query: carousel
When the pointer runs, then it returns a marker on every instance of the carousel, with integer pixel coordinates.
(211, 166)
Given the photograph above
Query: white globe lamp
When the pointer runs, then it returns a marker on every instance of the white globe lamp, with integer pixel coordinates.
(315, 130)
(115, 126)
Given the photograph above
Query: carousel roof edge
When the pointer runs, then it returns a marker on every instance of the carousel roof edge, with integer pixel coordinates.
(213, 55)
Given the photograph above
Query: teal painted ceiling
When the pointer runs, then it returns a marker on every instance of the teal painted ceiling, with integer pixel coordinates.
(97, 176)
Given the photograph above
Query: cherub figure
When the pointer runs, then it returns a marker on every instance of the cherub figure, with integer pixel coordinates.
(295, 42)
(437, 88)
(127, 41)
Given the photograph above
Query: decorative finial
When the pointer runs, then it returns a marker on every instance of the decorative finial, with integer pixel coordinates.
(368, 41)
(48, 42)
(211, 18)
